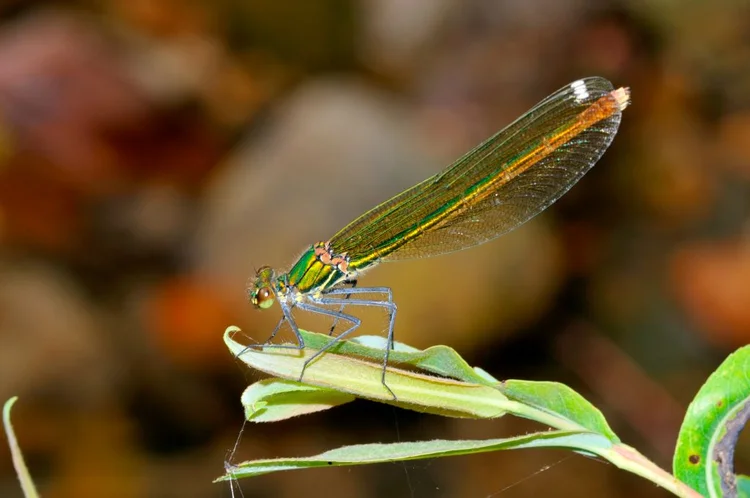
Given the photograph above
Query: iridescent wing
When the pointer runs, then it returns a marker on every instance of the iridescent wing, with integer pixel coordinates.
(499, 185)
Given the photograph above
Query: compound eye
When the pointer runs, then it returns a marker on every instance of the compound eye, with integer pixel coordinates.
(264, 298)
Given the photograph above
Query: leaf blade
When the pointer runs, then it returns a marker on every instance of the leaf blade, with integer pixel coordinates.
(712, 417)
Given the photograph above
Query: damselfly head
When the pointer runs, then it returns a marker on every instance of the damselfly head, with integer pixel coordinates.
(261, 291)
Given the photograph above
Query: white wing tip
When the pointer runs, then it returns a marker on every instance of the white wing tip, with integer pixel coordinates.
(579, 90)
(622, 96)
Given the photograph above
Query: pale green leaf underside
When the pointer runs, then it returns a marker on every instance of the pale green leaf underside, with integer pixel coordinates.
(378, 453)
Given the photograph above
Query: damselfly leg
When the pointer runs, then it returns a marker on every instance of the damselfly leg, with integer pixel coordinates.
(353, 283)
(386, 303)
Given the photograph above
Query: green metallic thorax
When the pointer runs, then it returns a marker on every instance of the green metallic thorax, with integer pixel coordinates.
(310, 274)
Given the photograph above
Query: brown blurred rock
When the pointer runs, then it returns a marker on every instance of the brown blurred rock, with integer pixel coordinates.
(60, 87)
(79, 128)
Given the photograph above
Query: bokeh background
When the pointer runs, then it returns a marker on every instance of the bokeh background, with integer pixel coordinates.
(154, 152)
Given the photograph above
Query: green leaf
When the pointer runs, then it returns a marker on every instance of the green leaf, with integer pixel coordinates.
(561, 401)
(27, 484)
(620, 455)
(705, 446)
(271, 400)
(362, 454)
(476, 395)
(415, 391)
(354, 368)
(743, 486)
(440, 360)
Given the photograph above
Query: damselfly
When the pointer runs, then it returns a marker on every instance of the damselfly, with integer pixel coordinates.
(494, 188)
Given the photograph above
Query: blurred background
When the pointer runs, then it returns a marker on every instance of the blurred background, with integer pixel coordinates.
(153, 153)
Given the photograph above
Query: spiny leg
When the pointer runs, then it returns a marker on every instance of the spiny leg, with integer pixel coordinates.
(356, 322)
(287, 310)
(384, 303)
(268, 341)
(388, 304)
(325, 299)
(359, 290)
(353, 283)
(275, 330)
(287, 317)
